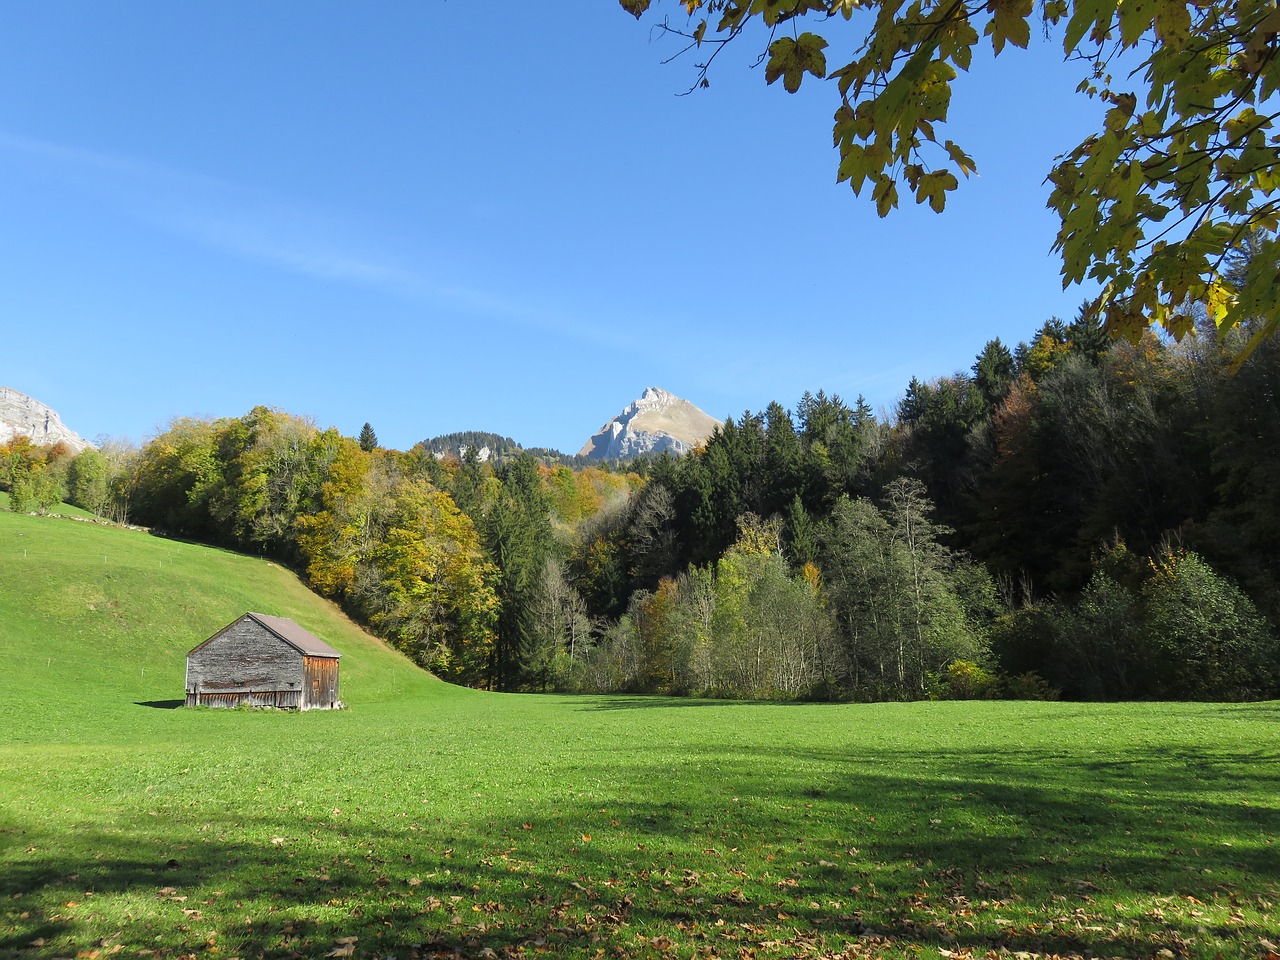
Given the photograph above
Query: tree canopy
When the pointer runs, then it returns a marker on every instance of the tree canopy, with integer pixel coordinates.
(1153, 207)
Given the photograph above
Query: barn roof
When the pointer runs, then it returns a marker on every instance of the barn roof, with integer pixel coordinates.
(308, 644)
(305, 642)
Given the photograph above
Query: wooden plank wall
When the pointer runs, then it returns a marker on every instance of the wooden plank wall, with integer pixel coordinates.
(244, 664)
(321, 686)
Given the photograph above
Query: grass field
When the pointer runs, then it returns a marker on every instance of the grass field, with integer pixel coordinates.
(428, 820)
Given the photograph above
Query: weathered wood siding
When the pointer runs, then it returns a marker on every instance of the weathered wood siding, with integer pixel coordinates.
(245, 664)
(284, 699)
(320, 689)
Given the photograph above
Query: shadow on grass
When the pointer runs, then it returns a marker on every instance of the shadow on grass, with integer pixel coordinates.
(159, 704)
(651, 702)
(781, 853)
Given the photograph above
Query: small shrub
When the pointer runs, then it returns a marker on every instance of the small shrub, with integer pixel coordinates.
(963, 680)
(1028, 686)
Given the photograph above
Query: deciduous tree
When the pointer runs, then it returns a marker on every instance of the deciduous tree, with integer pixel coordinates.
(439, 605)
(1184, 166)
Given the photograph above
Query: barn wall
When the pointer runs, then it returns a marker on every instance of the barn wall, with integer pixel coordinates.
(245, 660)
(320, 688)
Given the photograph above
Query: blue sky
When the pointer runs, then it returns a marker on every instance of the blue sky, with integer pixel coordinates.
(434, 218)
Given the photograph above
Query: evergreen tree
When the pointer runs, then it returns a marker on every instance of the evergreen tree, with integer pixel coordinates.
(368, 439)
(801, 534)
(783, 460)
(1087, 337)
(516, 532)
(993, 372)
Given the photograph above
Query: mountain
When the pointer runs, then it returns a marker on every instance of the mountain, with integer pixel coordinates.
(23, 416)
(657, 421)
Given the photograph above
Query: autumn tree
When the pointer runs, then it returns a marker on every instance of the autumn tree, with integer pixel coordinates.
(88, 482)
(336, 539)
(436, 601)
(1184, 167)
(770, 635)
(271, 466)
(174, 475)
(34, 475)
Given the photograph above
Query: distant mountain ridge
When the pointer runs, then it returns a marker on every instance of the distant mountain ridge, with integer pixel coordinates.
(488, 446)
(658, 421)
(24, 416)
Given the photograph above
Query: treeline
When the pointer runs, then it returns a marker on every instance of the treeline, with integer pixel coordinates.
(440, 556)
(1070, 517)
(502, 450)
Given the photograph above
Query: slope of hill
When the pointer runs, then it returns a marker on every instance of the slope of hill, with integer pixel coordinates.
(657, 421)
(434, 821)
(95, 620)
(25, 416)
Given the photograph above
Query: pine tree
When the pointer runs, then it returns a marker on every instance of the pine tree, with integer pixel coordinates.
(993, 372)
(368, 439)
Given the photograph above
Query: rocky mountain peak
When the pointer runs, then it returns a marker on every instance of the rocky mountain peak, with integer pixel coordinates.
(657, 421)
(23, 416)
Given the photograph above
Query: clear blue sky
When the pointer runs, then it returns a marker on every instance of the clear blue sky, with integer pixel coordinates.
(439, 216)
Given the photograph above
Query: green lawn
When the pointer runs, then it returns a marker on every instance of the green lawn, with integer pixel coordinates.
(428, 820)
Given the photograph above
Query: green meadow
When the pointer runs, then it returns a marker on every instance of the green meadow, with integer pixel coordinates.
(428, 820)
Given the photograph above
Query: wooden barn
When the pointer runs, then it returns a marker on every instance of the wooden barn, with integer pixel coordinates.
(263, 661)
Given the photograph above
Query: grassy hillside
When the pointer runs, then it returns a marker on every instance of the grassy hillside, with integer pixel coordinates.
(97, 619)
(429, 820)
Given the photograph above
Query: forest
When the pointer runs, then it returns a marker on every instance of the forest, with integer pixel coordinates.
(1073, 517)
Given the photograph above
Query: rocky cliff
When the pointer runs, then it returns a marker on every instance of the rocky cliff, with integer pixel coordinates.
(25, 416)
(657, 421)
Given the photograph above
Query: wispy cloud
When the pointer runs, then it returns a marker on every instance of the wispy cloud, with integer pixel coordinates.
(261, 227)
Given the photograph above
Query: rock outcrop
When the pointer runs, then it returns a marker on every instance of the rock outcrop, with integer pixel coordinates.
(23, 416)
(657, 421)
